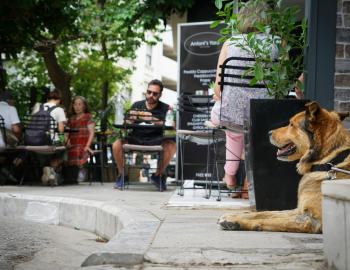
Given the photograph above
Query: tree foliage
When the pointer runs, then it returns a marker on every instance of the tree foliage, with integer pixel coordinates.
(26, 23)
(75, 45)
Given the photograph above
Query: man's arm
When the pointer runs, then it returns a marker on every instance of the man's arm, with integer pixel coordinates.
(16, 129)
(59, 115)
(15, 122)
(60, 127)
(157, 120)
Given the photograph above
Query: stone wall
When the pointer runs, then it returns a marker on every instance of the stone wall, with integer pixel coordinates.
(342, 61)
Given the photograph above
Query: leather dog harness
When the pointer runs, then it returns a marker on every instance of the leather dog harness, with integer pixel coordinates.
(329, 166)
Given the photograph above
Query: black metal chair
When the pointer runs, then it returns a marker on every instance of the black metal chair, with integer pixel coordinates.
(128, 149)
(199, 135)
(32, 162)
(2, 133)
(7, 154)
(96, 164)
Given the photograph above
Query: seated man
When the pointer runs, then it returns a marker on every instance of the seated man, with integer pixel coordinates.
(152, 109)
(51, 165)
(10, 115)
(13, 131)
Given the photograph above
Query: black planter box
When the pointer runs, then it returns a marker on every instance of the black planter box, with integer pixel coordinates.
(272, 183)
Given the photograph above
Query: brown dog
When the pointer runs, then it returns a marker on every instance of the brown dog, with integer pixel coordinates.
(317, 139)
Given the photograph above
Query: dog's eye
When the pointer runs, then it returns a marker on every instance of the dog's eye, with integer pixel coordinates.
(291, 124)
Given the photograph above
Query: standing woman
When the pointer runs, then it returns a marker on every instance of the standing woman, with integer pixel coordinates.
(79, 140)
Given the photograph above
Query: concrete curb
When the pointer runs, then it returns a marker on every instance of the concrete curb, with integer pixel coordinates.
(130, 231)
(336, 223)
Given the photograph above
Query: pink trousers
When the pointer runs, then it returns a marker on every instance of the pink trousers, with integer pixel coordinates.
(234, 149)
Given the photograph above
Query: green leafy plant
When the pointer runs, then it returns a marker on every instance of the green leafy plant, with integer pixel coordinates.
(281, 29)
(211, 85)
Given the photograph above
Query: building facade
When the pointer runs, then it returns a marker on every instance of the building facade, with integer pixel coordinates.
(159, 61)
(342, 59)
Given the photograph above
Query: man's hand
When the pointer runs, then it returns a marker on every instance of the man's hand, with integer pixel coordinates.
(142, 115)
(147, 116)
(16, 129)
(131, 117)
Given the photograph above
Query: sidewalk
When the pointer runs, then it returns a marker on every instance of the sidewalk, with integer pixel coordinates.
(149, 232)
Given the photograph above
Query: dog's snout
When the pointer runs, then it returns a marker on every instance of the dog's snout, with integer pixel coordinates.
(270, 133)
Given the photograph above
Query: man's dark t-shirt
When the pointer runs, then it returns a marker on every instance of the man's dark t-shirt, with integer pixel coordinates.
(148, 135)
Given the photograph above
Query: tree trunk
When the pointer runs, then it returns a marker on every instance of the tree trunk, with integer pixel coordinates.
(104, 88)
(58, 76)
(3, 76)
(105, 84)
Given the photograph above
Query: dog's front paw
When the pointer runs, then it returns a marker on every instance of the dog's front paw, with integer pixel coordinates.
(226, 223)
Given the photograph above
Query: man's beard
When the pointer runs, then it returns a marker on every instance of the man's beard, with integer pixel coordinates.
(151, 100)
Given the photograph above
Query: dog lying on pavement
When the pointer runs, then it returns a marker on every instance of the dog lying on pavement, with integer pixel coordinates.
(317, 138)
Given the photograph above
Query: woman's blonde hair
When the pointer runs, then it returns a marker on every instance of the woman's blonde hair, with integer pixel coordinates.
(252, 12)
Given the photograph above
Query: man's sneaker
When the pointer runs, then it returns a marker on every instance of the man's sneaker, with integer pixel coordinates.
(119, 183)
(45, 178)
(53, 177)
(159, 182)
(163, 183)
(155, 179)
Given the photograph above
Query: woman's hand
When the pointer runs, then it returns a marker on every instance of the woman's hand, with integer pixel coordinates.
(298, 86)
(88, 149)
(215, 97)
(68, 144)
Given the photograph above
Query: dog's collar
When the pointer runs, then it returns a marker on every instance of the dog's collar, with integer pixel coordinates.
(327, 166)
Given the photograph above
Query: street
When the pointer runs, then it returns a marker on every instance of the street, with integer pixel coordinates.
(23, 242)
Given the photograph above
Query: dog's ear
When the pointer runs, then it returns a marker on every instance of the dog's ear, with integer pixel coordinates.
(312, 109)
(343, 115)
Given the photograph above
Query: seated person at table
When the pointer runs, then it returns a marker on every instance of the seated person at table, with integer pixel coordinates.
(11, 119)
(12, 132)
(58, 114)
(54, 99)
(152, 109)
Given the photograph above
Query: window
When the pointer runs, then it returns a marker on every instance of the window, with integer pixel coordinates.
(148, 55)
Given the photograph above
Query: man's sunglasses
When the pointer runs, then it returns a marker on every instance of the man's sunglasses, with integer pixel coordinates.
(155, 94)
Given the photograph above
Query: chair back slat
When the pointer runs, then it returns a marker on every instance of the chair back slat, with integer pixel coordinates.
(228, 71)
(3, 130)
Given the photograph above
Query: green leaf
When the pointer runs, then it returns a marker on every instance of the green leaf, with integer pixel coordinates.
(218, 4)
(280, 31)
(253, 81)
(258, 72)
(215, 24)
